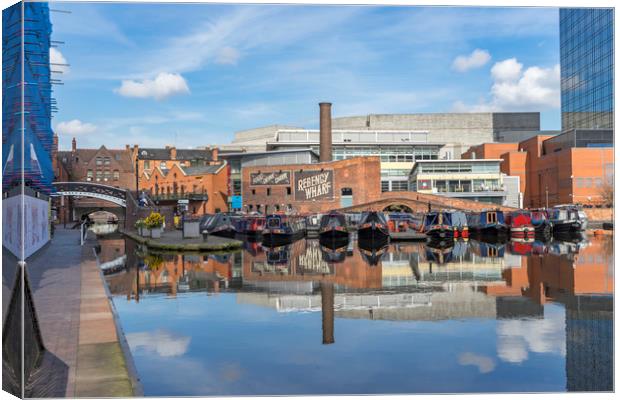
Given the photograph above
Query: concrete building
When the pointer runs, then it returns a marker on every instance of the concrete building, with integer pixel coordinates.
(479, 180)
(574, 167)
(587, 68)
(398, 139)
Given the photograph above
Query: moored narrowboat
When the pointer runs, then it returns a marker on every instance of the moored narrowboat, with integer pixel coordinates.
(487, 223)
(520, 224)
(253, 225)
(333, 227)
(220, 225)
(282, 228)
(543, 227)
(568, 219)
(373, 228)
(438, 224)
(458, 221)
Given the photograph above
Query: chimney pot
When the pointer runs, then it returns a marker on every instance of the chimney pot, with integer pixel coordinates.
(73, 145)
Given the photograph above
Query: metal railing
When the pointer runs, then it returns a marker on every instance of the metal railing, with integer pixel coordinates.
(83, 233)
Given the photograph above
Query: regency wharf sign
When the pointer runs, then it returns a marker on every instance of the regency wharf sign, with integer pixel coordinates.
(314, 185)
(270, 178)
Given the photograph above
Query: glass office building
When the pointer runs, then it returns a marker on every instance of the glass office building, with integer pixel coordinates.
(587, 68)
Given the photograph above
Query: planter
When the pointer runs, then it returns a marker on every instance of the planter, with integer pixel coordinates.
(156, 233)
(191, 228)
(140, 231)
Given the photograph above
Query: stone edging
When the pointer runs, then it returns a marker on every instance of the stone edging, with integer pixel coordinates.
(154, 244)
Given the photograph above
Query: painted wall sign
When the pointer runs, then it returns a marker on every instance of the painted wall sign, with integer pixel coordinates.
(270, 178)
(314, 185)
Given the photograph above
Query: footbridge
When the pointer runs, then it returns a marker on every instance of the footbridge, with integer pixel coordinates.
(419, 202)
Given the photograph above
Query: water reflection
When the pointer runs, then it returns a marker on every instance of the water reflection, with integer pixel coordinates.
(522, 308)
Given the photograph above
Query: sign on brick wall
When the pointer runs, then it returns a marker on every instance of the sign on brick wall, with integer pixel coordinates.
(270, 178)
(314, 185)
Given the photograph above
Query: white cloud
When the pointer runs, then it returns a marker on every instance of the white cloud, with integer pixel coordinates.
(159, 342)
(506, 71)
(227, 55)
(164, 85)
(476, 59)
(535, 89)
(485, 364)
(75, 127)
(56, 57)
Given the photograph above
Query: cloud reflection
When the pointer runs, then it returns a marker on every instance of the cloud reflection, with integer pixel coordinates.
(161, 342)
(485, 364)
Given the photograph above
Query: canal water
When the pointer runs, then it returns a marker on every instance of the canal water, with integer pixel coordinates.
(306, 319)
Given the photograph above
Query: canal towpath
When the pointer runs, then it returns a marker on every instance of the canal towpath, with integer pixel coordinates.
(77, 319)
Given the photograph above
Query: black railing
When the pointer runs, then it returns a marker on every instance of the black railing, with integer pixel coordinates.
(179, 196)
(93, 188)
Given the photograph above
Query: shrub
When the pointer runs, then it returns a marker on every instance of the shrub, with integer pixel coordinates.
(140, 224)
(154, 220)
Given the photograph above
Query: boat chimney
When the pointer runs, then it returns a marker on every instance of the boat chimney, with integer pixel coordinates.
(325, 141)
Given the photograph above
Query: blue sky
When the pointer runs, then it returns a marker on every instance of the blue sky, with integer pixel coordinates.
(193, 74)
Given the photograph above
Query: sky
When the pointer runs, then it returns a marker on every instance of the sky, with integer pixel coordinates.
(194, 74)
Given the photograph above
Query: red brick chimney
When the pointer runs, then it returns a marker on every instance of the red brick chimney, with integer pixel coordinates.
(54, 152)
(73, 145)
(215, 153)
(325, 136)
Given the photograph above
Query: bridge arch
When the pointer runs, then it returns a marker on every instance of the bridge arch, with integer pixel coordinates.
(95, 190)
(397, 207)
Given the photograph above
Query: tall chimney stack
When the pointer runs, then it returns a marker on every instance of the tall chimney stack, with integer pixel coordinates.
(325, 141)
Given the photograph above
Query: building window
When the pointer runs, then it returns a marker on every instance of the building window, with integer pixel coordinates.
(98, 161)
(347, 191)
(385, 186)
(268, 191)
(162, 165)
(400, 186)
(253, 191)
(288, 190)
(99, 176)
(106, 161)
(106, 176)
(89, 175)
(147, 164)
(116, 175)
(117, 157)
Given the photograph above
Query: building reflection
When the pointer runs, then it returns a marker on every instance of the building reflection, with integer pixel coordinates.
(410, 281)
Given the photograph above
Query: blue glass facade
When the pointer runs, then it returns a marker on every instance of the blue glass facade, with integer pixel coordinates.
(587, 67)
(29, 69)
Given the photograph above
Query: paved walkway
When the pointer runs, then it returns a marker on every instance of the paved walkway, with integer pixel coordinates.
(75, 318)
(173, 240)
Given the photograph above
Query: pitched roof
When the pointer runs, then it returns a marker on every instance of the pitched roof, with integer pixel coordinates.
(182, 154)
(202, 169)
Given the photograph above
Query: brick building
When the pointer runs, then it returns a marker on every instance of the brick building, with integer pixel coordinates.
(574, 167)
(203, 188)
(166, 158)
(113, 167)
(317, 187)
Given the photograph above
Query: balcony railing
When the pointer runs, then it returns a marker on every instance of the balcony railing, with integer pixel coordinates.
(181, 196)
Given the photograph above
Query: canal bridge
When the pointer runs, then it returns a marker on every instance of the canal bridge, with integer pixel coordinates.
(120, 202)
(419, 202)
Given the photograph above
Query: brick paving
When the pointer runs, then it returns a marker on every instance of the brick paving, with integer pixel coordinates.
(75, 318)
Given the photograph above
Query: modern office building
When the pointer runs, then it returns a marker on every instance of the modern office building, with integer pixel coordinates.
(587, 67)
(398, 139)
(479, 180)
(574, 167)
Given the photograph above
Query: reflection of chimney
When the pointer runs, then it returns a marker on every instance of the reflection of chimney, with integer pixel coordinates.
(73, 145)
(325, 148)
(327, 308)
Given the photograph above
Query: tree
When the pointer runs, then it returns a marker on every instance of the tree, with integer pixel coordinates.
(607, 193)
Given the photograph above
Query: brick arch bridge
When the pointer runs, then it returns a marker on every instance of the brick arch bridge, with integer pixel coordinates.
(418, 202)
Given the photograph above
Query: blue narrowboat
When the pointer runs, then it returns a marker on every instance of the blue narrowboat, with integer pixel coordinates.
(282, 228)
(373, 228)
(568, 219)
(438, 224)
(488, 223)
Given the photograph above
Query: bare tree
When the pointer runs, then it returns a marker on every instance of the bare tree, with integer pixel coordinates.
(607, 193)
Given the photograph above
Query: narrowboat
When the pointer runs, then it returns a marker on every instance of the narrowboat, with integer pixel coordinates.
(568, 219)
(333, 227)
(487, 223)
(334, 253)
(220, 225)
(282, 228)
(251, 225)
(520, 224)
(373, 228)
(438, 224)
(543, 227)
(459, 224)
